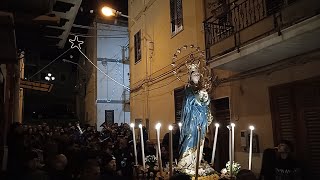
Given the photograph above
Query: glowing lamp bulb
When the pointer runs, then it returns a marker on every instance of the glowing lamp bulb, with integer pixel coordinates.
(170, 127)
(217, 124)
(251, 128)
(132, 125)
(107, 11)
(49, 74)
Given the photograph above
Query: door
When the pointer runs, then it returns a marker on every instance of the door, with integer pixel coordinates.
(109, 117)
(221, 113)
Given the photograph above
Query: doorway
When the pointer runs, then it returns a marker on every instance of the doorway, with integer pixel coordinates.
(220, 109)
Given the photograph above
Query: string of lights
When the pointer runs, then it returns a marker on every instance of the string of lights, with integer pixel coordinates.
(78, 43)
(104, 72)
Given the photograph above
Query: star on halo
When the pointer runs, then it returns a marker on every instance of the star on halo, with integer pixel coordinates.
(75, 43)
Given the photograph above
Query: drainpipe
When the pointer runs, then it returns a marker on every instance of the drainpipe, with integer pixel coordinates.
(123, 92)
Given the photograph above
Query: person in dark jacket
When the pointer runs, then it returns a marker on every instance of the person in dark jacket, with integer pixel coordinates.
(109, 168)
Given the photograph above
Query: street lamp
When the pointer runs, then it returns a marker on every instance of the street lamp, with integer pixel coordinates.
(107, 11)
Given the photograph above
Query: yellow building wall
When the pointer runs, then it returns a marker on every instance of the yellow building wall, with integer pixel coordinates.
(155, 100)
(250, 105)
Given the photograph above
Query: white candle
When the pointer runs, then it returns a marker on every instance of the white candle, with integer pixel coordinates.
(232, 151)
(134, 144)
(230, 147)
(170, 151)
(250, 146)
(158, 126)
(214, 143)
(180, 125)
(142, 147)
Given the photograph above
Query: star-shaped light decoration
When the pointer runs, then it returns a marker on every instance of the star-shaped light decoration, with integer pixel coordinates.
(75, 43)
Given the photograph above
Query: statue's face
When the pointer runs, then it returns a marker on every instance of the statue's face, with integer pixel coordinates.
(195, 77)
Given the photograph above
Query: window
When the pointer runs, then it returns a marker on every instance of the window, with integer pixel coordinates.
(137, 47)
(176, 16)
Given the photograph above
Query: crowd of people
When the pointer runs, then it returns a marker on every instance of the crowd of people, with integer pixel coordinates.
(72, 152)
(43, 152)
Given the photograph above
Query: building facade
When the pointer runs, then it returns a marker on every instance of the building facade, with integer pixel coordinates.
(112, 50)
(106, 93)
(267, 57)
(265, 54)
(157, 29)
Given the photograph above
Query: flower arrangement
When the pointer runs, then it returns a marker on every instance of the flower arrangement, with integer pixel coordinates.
(225, 172)
(152, 163)
(204, 170)
(151, 160)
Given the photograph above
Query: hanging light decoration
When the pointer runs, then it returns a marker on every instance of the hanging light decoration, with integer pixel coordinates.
(49, 77)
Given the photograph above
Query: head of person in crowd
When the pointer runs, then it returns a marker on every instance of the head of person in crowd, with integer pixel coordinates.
(91, 170)
(284, 149)
(110, 163)
(60, 162)
(175, 128)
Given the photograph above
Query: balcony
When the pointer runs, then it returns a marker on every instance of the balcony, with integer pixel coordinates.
(248, 34)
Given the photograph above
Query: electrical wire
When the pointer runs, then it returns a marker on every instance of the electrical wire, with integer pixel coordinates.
(103, 72)
(49, 63)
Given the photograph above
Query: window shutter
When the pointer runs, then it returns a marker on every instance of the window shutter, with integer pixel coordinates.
(179, 17)
(308, 104)
(172, 15)
(311, 117)
(282, 112)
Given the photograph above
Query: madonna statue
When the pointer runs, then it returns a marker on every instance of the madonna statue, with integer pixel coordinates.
(195, 112)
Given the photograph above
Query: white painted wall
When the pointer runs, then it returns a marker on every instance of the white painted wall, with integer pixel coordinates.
(109, 45)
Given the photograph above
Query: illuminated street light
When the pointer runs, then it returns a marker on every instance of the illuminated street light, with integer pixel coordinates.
(107, 11)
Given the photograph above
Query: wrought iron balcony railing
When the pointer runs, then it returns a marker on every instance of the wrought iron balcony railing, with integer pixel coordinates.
(229, 19)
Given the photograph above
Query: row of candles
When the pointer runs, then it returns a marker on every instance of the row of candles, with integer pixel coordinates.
(158, 126)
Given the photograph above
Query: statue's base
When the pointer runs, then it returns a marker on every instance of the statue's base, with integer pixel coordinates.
(211, 177)
(205, 171)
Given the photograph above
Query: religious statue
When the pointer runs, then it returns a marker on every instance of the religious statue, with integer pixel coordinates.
(195, 112)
